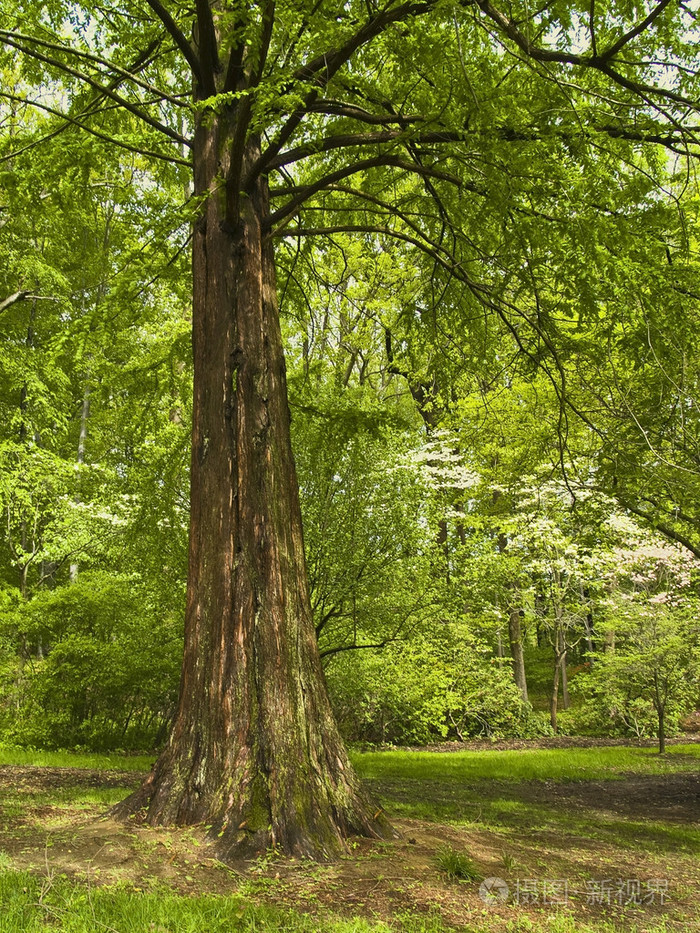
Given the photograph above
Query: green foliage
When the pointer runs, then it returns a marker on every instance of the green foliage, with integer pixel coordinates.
(98, 666)
(456, 866)
(427, 688)
(652, 670)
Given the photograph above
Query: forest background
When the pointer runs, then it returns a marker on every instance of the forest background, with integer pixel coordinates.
(493, 391)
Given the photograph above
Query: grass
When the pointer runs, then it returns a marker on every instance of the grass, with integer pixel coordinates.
(558, 764)
(500, 807)
(31, 904)
(554, 764)
(64, 759)
(485, 789)
(456, 866)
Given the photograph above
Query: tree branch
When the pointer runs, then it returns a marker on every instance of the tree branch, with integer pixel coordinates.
(123, 73)
(101, 88)
(600, 63)
(661, 527)
(13, 299)
(303, 193)
(175, 160)
(208, 48)
(321, 69)
(348, 140)
(178, 37)
(634, 32)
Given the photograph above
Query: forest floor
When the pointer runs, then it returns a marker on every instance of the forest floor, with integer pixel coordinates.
(585, 839)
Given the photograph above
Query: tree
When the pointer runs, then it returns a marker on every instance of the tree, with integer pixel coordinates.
(649, 675)
(370, 117)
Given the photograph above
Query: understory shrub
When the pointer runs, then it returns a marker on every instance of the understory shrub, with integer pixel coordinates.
(427, 689)
(91, 664)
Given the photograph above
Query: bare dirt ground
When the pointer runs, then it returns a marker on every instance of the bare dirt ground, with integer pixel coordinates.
(49, 825)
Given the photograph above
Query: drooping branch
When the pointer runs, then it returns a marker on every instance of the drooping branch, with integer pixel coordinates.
(123, 73)
(303, 193)
(601, 62)
(671, 533)
(102, 89)
(72, 121)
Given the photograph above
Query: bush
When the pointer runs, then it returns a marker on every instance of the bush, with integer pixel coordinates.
(427, 689)
(95, 665)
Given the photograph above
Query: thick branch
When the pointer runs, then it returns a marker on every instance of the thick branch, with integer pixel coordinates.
(349, 140)
(354, 647)
(13, 299)
(352, 111)
(208, 48)
(178, 37)
(321, 69)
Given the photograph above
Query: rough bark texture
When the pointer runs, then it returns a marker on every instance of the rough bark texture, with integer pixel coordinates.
(254, 752)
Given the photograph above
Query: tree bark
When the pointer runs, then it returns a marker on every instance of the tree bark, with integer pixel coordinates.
(82, 438)
(515, 634)
(254, 751)
(554, 699)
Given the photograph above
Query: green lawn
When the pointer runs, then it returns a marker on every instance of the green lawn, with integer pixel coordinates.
(556, 764)
(62, 759)
(526, 813)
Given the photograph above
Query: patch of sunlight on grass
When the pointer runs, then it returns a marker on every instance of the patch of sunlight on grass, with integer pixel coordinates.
(559, 764)
(26, 757)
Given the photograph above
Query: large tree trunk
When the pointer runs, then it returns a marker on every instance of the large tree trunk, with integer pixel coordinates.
(254, 752)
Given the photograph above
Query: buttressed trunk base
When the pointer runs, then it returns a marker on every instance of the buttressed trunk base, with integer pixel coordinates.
(254, 753)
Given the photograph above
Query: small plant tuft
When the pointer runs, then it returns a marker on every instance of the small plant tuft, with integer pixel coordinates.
(456, 866)
(509, 861)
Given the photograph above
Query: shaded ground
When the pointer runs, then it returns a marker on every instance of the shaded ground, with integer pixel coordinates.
(528, 833)
(550, 741)
(666, 797)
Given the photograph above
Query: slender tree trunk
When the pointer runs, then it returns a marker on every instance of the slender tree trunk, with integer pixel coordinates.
(559, 646)
(564, 676)
(662, 732)
(554, 699)
(660, 705)
(254, 750)
(516, 651)
(588, 623)
(82, 438)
